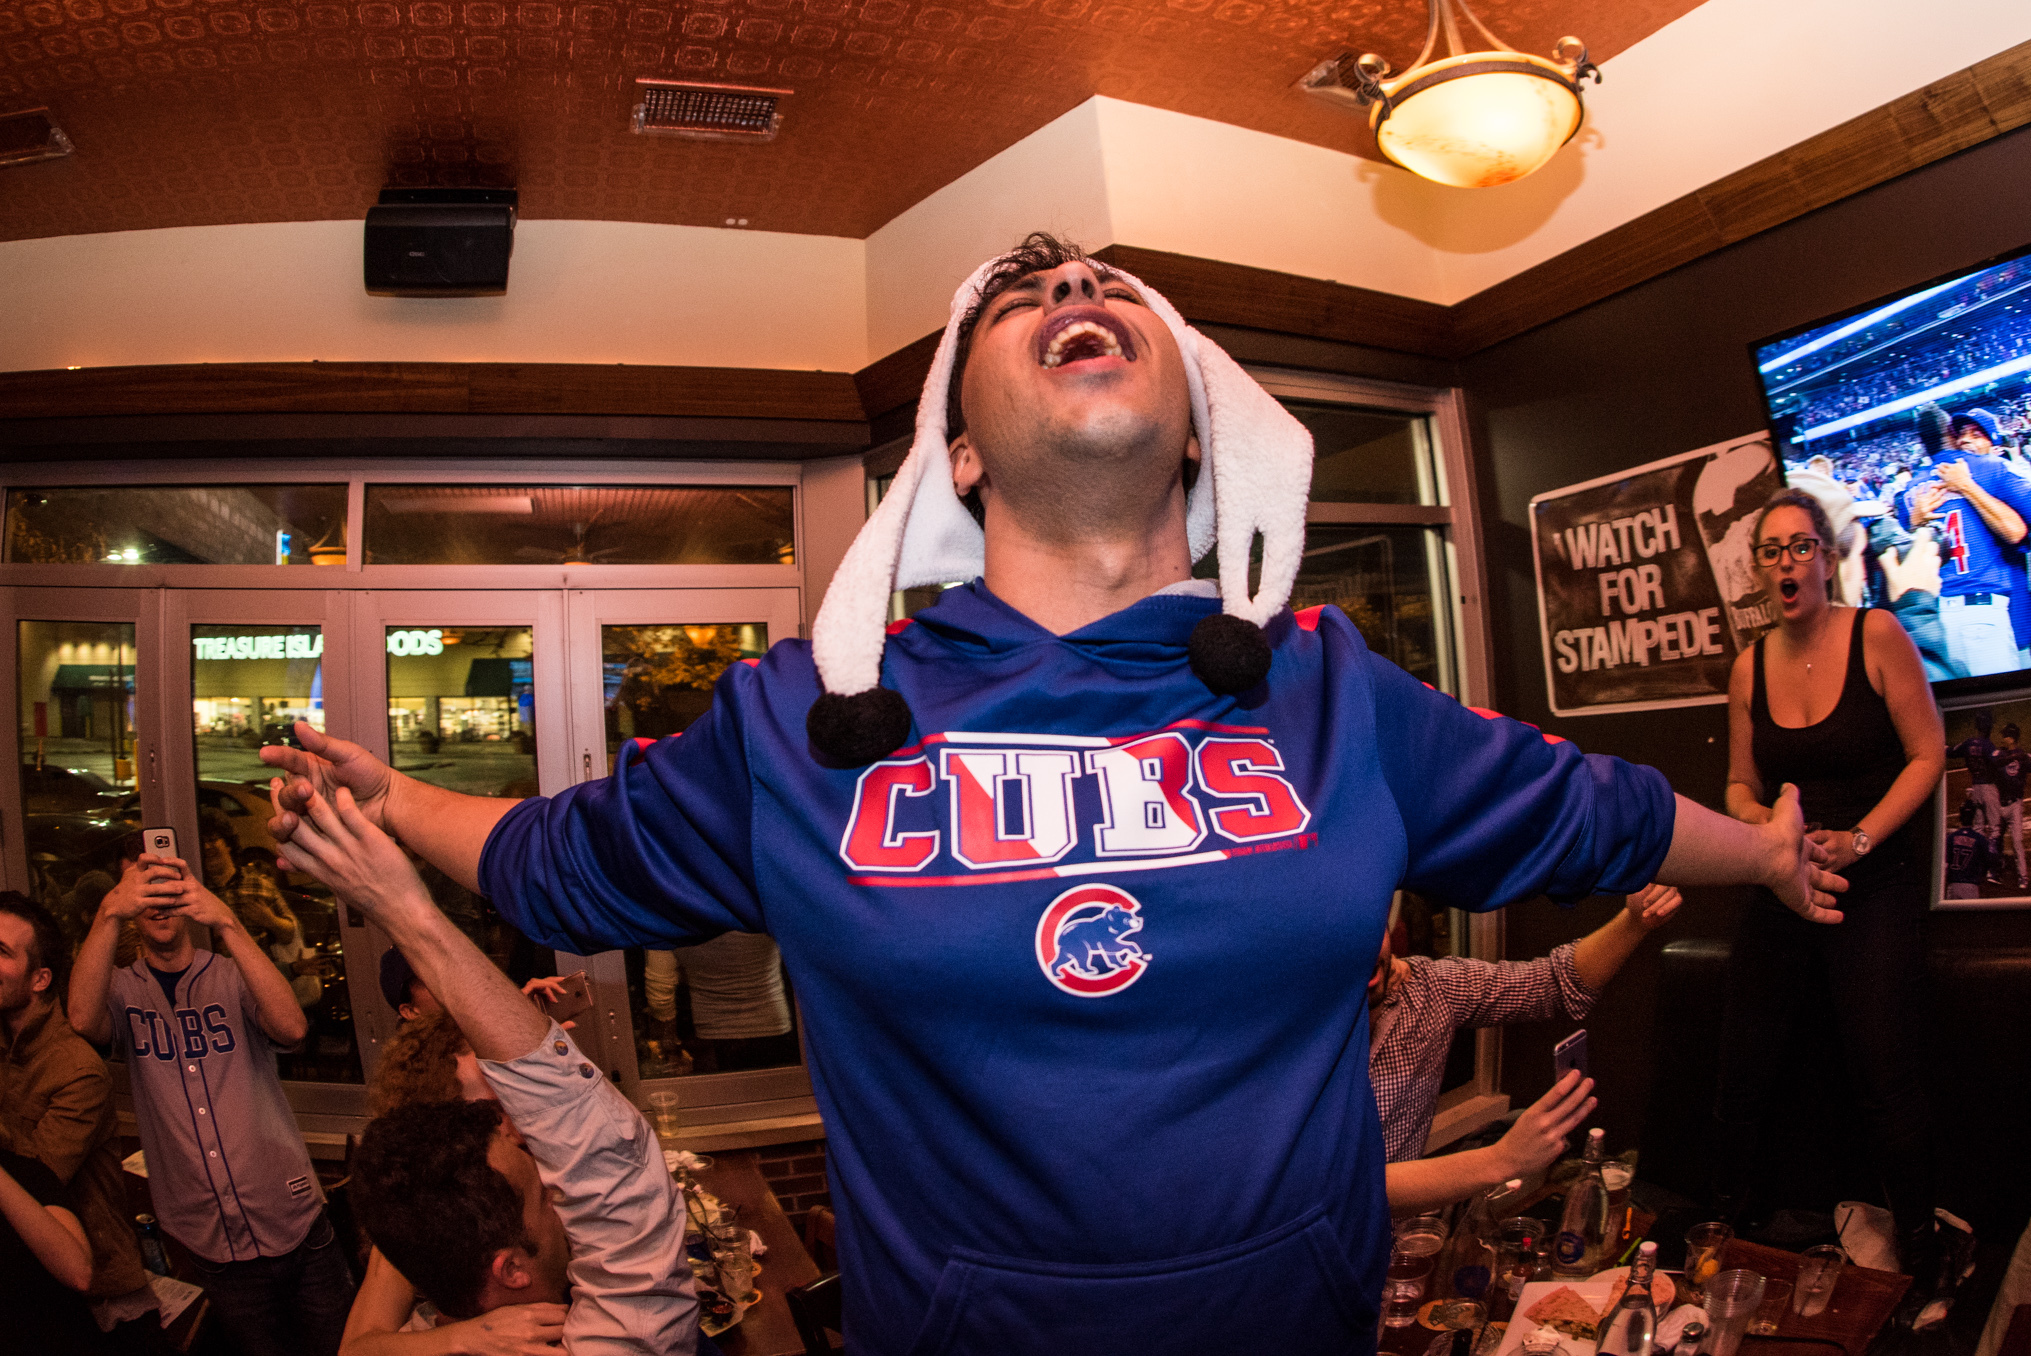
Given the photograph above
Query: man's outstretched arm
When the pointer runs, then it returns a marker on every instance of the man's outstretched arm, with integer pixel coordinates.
(446, 828)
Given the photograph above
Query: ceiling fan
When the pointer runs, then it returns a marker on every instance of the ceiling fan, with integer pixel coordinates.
(580, 551)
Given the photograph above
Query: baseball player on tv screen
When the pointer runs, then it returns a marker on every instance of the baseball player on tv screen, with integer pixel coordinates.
(1080, 874)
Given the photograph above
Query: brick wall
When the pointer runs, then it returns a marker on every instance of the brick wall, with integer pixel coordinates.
(796, 1173)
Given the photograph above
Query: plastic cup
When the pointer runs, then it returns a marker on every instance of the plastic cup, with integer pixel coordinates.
(1732, 1300)
(1770, 1313)
(1411, 1259)
(1819, 1271)
(663, 1115)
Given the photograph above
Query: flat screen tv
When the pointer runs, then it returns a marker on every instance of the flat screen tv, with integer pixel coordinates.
(1908, 418)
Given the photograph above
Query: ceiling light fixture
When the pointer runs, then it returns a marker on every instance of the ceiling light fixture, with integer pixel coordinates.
(1471, 119)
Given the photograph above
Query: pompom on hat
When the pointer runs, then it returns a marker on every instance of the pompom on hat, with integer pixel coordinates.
(1255, 477)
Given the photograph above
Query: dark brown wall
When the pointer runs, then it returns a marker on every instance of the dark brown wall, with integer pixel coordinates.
(1660, 369)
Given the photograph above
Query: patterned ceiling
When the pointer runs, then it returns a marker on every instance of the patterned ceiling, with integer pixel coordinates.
(197, 112)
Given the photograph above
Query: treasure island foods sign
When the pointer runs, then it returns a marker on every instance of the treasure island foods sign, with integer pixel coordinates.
(1646, 589)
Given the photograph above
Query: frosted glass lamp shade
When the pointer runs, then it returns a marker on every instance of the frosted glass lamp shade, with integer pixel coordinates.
(1478, 120)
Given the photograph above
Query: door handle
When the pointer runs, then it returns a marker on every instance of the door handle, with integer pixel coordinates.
(588, 765)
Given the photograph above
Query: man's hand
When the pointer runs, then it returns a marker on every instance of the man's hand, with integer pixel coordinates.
(196, 904)
(143, 885)
(1795, 874)
(514, 1330)
(1922, 501)
(321, 767)
(1537, 1139)
(1955, 475)
(1649, 907)
(351, 856)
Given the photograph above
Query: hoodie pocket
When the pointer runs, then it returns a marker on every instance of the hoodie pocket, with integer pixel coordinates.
(1291, 1290)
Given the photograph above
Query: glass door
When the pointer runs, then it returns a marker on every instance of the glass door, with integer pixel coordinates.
(255, 663)
(85, 742)
(466, 691)
(643, 665)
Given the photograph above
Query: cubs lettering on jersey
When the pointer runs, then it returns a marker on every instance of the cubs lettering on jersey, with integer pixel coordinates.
(203, 1032)
(1004, 807)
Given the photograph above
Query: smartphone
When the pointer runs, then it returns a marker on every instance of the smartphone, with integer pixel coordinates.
(1570, 1053)
(577, 998)
(161, 842)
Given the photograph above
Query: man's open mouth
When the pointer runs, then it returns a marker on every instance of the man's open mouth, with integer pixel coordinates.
(1078, 333)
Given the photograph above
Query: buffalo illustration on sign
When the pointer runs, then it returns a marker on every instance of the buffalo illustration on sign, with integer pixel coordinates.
(1646, 588)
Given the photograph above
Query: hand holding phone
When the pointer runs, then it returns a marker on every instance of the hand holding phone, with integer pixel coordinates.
(560, 999)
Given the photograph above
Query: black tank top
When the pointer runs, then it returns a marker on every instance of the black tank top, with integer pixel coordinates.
(1842, 765)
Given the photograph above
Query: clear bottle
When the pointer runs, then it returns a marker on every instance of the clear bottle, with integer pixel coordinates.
(1583, 1229)
(153, 1255)
(1630, 1328)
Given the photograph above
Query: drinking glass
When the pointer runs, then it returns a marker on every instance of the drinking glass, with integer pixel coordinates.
(1732, 1300)
(1410, 1268)
(1703, 1244)
(1776, 1298)
(734, 1267)
(1819, 1271)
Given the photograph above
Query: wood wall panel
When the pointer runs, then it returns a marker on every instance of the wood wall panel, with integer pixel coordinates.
(431, 388)
(889, 384)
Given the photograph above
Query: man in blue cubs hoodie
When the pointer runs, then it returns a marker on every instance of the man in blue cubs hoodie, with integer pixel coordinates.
(1080, 875)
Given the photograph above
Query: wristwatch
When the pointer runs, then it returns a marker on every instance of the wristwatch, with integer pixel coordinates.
(1862, 843)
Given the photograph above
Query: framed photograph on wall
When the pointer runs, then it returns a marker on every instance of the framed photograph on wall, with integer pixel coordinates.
(1981, 857)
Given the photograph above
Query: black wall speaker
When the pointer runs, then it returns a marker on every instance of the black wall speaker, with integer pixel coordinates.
(440, 242)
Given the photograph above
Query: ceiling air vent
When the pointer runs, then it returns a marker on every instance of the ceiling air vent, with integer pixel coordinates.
(30, 135)
(674, 108)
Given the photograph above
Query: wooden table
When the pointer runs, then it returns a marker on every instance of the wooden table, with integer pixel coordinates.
(767, 1328)
(1862, 1303)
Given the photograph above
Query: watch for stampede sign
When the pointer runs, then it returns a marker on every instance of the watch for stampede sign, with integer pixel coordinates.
(1646, 589)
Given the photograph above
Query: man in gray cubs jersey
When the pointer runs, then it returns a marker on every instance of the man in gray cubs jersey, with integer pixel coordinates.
(227, 1169)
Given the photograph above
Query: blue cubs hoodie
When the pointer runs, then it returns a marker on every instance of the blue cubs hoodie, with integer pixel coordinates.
(1083, 968)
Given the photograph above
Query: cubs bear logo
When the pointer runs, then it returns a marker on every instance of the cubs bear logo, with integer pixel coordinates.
(1085, 941)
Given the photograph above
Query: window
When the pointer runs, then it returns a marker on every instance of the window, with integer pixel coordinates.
(723, 1006)
(579, 525)
(76, 717)
(178, 525)
(250, 684)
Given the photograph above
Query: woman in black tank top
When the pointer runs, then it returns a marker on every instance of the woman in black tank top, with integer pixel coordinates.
(1836, 702)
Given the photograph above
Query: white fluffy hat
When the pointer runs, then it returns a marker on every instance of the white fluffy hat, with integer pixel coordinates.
(1255, 476)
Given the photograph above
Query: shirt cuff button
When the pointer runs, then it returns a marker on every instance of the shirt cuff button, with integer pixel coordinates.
(585, 1071)
(561, 1047)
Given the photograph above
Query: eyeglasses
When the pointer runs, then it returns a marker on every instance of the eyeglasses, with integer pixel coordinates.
(1769, 552)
